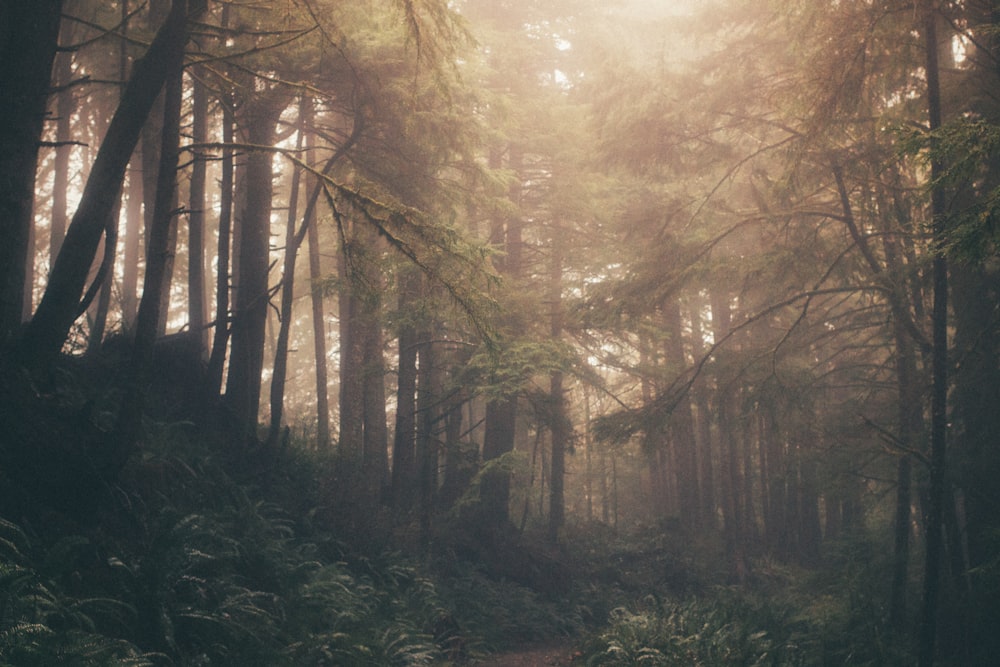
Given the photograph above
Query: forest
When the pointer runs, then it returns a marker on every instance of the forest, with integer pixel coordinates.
(499, 332)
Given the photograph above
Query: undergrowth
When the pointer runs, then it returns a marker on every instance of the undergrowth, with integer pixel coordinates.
(202, 555)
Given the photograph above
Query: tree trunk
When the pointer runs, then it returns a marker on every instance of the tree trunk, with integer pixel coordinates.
(65, 106)
(196, 214)
(939, 371)
(243, 383)
(376, 432)
(404, 442)
(428, 411)
(351, 357)
(682, 421)
(704, 426)
(501, 412)
(292, 242)
(220, 337)
(27, 49)
(733, 528)
(319, 337)
(130, 417)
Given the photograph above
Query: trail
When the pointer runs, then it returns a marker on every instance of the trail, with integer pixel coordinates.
(536, 656)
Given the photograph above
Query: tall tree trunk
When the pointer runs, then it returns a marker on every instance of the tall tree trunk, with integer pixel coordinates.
(196, 214)
(351, 354)
(560, 427)
(428, 411)
(292, 242)
(404, 442)
(682, 421)
(457, 468)
(133, 208)
(588, 444)
(220, 336)
(99, 313)
(501, 412)
(60, 306)
(733, 528)
(319, 337)
(910, 415)
(102, 282)
(939, 365)
(27, 49)
(700, 394)
(130, 417)
(243, 383)
(65, 106)
(376, 432)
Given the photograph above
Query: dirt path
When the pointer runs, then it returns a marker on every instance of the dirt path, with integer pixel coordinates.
(537, 656)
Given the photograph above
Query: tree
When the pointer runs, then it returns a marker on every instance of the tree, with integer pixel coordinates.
(60, 306)
(28, 43)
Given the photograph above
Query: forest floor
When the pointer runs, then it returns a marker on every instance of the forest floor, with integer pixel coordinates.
(533, 656)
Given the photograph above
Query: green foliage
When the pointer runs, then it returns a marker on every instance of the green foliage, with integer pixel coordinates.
(199, 568)
(726, 629)
(500, 613)
(966, 148)
(41, 623)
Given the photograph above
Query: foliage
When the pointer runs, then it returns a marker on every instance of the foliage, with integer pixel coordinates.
(41, 623)
(722, 630)
(967, 148)
(501, 613)
(203, 569)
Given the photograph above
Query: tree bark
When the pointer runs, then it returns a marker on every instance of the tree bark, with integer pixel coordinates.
(404, 441)
(351, 358)
(130, 417)
(196, 214)
(501, 412)
(733, 528)
(243, 383)
(292, 242)
(934, 521)
(220, 336)
(560, 427)
(682, 421)
(28, 45)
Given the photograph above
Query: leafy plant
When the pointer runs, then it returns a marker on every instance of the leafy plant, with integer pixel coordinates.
(725, 629)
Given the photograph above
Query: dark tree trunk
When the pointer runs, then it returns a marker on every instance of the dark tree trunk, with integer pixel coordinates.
(428, 412)
(458, 465)
(220, 337)
(376, 432)
(733, 529)
(501, 412)
(682, 422)
(130, 417)
(351, 358)
(704, 427)
(243, 382)
(560, 427)
(810, 532)
(939, 383)
(196, 214)
(404, 442)
(498, 440)
(65, 106)
(292, 242)
(133, 246)
(319, 337)
(28, 45)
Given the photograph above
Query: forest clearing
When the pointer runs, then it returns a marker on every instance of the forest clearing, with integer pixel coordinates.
(499, 332)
